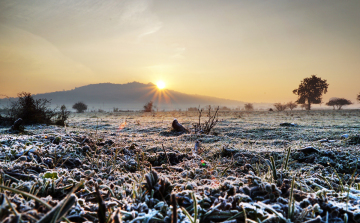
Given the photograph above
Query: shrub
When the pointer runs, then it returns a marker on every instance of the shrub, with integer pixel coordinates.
(208, 125)
(192, 109)
(338, 102)
(80, 107)
(62, 116)
(280, 107)
(149, 106)
(31, 111)
(291, 105)
(224, 108)
(249, 107)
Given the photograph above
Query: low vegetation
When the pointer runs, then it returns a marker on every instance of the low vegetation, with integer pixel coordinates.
(249, 107)
(291, 105)
(206, 126)
(280, 107)
(30, 110)
(148, 107)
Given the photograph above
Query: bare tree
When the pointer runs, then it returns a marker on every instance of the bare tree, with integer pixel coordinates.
(249, 107)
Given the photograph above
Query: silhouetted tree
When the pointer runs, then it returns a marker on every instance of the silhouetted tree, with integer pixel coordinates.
(31, 111)
(249, 107)
(149, 106)
(62, 116)
(338, 103)
(358, 97)
(310, 91)
(280, 107)
(291, 105)
(80, 107)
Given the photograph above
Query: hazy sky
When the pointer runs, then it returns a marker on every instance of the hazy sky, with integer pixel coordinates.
(255, 51)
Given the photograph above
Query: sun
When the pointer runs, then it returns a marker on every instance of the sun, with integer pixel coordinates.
(160, 85)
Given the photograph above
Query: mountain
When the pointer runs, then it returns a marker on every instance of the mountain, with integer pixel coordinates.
(132, 96)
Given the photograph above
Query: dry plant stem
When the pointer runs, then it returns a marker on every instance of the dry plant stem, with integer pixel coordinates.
(174, 217)
(166, 154)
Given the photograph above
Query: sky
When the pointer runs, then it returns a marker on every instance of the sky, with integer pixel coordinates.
(253, 51)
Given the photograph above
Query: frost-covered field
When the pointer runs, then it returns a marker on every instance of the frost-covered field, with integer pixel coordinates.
(248, 169)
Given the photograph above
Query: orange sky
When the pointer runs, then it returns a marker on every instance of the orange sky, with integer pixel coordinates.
(255, 51)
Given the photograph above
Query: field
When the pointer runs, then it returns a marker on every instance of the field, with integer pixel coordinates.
(103, 167)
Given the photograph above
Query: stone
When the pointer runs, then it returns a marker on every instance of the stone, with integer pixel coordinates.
(178, 127)
(309, 149)
(287, 124)
(17, 126)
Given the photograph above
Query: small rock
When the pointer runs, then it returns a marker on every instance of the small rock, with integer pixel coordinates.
(48, 162)
(309, 149)
(287, 124)
(109, 142)
(344, 136)
(23, 158)
(178, 127)
(323, 140)
(17, 126)
(85, 149)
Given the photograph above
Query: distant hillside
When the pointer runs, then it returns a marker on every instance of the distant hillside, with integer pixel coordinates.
(130, 96)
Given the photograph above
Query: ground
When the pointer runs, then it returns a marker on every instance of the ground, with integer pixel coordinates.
(248, 163)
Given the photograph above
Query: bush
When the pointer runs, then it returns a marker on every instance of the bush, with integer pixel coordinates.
(80, 107)
(31, 111)
(280, 107)
(149, 106)
(62, 116)
(192, 109)
(249, 107)
(208, 125)
(291, 105)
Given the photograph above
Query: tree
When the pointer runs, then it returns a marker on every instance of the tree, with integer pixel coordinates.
(291, 105)
(149, 106)
(80, 107)
(338, 102)
(358, 97)
(280, 107)
(31, 111)
(310, 91)
(249, 107)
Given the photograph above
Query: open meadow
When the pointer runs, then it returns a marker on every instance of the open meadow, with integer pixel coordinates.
(133, 167)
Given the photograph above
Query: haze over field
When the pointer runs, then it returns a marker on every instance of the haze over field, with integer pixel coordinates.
(252, 51)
